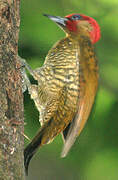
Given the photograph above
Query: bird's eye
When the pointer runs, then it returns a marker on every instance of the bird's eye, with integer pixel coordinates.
(76, 17)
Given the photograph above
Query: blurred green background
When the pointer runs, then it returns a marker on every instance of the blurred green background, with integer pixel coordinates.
(95, 153)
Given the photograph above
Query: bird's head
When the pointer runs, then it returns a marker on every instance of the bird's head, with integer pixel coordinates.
(76, 24)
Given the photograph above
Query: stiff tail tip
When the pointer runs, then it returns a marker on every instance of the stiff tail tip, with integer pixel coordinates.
(27, 157)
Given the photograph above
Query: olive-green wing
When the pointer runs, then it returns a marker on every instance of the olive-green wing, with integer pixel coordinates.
(88, 89)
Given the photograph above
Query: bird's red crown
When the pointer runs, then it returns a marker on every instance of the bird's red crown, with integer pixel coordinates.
(73, 23)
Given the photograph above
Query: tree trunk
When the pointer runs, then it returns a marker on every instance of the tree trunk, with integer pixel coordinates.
(11, 98)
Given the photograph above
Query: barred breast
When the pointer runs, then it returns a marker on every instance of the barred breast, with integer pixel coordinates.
(61, 69)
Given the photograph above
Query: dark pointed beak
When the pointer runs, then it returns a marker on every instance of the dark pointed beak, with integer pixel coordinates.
(57, 19)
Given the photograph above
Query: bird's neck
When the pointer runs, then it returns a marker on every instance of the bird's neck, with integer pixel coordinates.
(63, 52)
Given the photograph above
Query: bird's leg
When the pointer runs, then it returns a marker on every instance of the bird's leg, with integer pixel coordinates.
(26, 65)
(25, 80)
(32, 88)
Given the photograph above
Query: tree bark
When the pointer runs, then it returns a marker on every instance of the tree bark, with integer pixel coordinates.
(11, 98)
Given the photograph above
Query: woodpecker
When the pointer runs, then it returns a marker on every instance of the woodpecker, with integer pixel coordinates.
(67, 83)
